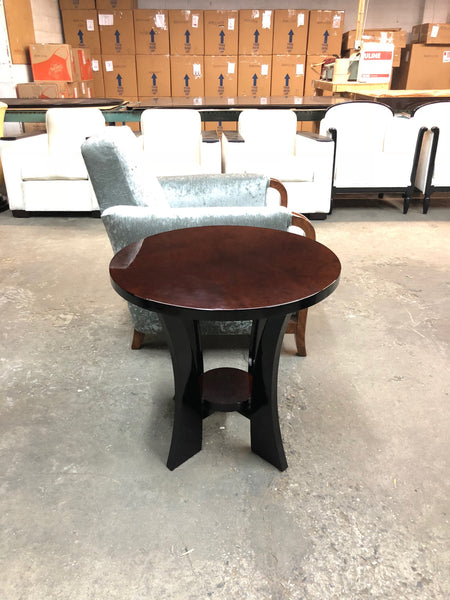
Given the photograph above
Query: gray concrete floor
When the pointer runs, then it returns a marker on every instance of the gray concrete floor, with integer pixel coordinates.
(88, 508)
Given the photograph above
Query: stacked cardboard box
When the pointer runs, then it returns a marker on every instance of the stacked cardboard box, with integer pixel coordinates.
(289, 52)
(425, 63)
(255, 52)
(395, 36)
(59, 71)
(324, 40)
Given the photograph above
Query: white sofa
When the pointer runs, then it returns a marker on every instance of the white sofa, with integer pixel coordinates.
(268, 143)
(46, 172)
(433, 173)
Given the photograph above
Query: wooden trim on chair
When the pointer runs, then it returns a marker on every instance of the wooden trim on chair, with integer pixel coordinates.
(302, 222)
(276, 184)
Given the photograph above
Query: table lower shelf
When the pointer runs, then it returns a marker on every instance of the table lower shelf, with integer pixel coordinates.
(226, 390)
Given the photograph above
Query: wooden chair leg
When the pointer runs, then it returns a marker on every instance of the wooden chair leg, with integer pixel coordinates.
(297, 326)
(138, 339)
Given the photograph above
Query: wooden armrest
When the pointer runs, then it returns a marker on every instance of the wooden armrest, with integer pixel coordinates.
(276, 184)
(302, 222)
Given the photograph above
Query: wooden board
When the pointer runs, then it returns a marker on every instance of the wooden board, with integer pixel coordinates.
(19, 22)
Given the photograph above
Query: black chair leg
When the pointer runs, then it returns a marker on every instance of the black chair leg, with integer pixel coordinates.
(426, 204)
(406, 201)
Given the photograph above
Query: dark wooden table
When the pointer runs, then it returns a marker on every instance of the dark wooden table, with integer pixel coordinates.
(225, 273)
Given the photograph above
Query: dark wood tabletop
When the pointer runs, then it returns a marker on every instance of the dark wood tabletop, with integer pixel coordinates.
(225, 272)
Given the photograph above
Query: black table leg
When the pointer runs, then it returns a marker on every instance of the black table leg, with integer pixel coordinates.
(187, 362)
(264, 356)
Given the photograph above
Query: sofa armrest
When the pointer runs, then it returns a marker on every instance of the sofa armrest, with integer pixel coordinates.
(127, 224)
(233, 136)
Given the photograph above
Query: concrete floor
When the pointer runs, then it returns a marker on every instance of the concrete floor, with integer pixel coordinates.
(88, 509)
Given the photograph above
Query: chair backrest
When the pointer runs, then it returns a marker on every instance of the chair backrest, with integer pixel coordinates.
(116, 167)
(360, 126)
(67, 128)
(437, 114)
(171, 140)
(270, 130)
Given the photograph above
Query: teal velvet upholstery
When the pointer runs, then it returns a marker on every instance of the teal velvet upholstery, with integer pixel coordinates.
(135, 205)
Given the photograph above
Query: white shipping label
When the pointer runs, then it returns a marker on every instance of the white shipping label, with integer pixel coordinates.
(195, 21)
(95, 65)
(299, 70)
(230, 100)
(160, 20)
(263, 100)
(197, 70)
(198, 101)
(255, 14)
(446, 56)
(109, 65)
(231, 68)
(336, 21)
(264, 69)
(434, 31)
(107, 20)
(300, 20)
(231, 24)
(90, 25)
(266, 18)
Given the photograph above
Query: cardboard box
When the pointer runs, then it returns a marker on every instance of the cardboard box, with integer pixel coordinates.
(151, 31)
(254, 76)
(221, 76)
(290, 31)
(82, 63)
(395, 36)
(52, 62)
(325, 32)
(117, 32)
(288, 75)
(221, 32)
(423, 67)
(46, 89)
(187, 76)
(77, 4)
(119, 75)
(104, 5)
(313, 70)
(186, 32)
(431, 33)
(375, 63)
(255, 32)
(153, 75)
(81, 29)
(97, 76)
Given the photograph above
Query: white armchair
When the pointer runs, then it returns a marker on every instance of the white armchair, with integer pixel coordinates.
(46, 172)
(174, 143)
(267, 142)
(374, 149)
(433, 173)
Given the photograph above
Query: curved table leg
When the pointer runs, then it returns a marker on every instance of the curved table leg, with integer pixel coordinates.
(265, 347)
(187, 363)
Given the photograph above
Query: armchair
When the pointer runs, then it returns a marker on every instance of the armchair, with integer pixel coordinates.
(134, 204)
(268, 143)
(46, 172)
(174, 143)
(433, 168)
(375, 151)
